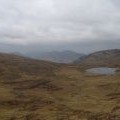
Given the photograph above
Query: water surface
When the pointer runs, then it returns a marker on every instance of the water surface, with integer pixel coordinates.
(102, 71)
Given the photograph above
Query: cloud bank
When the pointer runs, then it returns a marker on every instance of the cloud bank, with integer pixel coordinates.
(49, 21)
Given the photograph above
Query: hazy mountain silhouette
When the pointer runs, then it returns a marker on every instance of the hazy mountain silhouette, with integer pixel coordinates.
(56, 56)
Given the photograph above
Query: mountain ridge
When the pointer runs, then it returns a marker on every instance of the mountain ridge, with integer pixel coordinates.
(56, 56)
(108, 58)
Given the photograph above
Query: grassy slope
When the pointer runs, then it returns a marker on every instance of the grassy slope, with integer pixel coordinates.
(109, 58)
(37, 90)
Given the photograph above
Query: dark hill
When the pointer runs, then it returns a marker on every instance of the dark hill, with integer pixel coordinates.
(108, 58)
(13, 64)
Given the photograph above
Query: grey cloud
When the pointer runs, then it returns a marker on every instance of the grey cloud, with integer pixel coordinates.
(44, 21)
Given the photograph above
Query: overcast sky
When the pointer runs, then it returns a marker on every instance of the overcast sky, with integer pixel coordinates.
(59, 21)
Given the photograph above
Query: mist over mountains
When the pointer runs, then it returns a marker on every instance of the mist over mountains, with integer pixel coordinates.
(62, 52)
(56, 56)
(79, 47)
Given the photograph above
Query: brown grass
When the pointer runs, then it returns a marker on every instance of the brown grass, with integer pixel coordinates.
(34, 90)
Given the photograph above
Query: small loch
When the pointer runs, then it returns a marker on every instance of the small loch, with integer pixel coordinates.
(102, 71)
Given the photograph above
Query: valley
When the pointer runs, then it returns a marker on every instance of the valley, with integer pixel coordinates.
(38, 90)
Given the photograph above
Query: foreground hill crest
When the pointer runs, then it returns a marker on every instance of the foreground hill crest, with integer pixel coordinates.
(39, 90)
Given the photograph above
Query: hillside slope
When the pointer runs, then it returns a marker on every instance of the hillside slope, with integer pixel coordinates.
(109, 58)
(23, 65)
(38, 90)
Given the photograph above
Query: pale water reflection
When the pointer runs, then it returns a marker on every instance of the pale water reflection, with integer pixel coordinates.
(102, 71)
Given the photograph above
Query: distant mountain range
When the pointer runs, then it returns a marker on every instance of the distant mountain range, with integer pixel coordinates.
(56, 56)
(103, 58)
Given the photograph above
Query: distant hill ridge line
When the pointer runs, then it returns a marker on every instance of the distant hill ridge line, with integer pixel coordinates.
(99, 58)
(66, 56)
(106, 51)
(110, 58)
